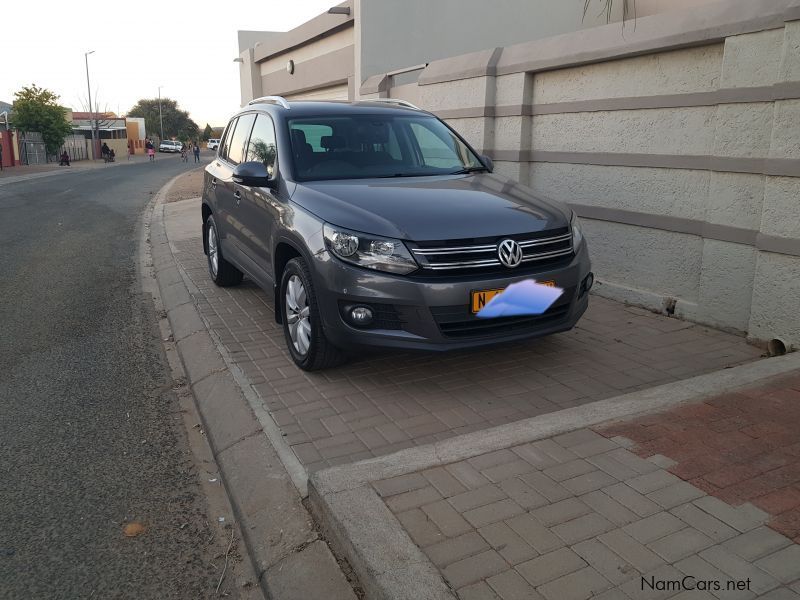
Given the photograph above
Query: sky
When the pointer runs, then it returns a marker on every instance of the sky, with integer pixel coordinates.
(186, 47)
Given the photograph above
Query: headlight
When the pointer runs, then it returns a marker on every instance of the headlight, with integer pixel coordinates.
(369, 251)
(577, 234)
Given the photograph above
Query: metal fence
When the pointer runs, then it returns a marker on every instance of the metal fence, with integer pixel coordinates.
(32, 149)
(75, 147)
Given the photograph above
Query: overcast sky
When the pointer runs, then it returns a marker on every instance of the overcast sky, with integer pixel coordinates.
(188, 48)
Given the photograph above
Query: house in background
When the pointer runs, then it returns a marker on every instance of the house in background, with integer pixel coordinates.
(111, 130)
(8, 137)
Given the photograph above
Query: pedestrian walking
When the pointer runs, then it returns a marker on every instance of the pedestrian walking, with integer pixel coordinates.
(196, 150)
(151, 151)
(184, 152)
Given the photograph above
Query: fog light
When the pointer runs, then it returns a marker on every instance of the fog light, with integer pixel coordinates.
(361, 315)
(587, 284)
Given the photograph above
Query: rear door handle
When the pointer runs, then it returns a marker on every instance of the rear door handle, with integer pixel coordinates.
(238, 195)
(213, 183)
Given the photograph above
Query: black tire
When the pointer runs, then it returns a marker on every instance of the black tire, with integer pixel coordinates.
(321, 354)
(225, 274)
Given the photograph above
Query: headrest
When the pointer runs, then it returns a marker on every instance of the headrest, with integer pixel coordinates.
(374, 132)
(298, 136)
(332, 142)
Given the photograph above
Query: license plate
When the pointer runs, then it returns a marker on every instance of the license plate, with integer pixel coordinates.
(480, 298)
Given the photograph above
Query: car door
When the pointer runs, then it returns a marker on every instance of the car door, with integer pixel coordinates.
(260, 206)
(228, 193)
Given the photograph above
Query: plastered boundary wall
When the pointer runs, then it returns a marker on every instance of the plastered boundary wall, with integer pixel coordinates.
(677, 142)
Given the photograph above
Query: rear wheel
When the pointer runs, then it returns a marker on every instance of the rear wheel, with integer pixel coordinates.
(302, 326)
(222, 272)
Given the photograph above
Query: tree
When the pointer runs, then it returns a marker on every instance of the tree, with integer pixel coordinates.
(35, 109)
(628, 8)
(176, 121)
(207, 132)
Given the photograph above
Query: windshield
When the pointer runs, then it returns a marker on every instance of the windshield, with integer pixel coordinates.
(364, 146)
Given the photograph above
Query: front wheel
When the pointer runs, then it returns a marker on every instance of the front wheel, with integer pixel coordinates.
(302, 326)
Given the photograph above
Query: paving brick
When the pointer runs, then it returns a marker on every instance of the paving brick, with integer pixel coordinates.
(550, 566)
(579, 585)
(534, 533)
(588, 482)
(704, 522)
(569, 469)
(548, 488)
(582, 528)
(606, 462)
(522, 493)
(454, 549)
(702, 570)
(468, 475)
(676, 494)
(662, 461)
(398, 485)
(612, 594)
(606, 562)
(507, 543)
(534, 456)
(742, 518)
(631, 551)
(781, 594)
(505, 471)
(492, 459)
(510, 585)
(477, 591)
(738, 568)
(632, 461)
(650, 482)
(577, 437)
(654, 527)
(478, 497)
(475, 568)
(446, 518)
(680, 544)
(444, 482)
(491, 513)
(757, 543)
(594, 447)
(420, 528)
(631, 499)
(554, 450)
(560, 512)
(784, 564)
(412, 499)
(609, 508)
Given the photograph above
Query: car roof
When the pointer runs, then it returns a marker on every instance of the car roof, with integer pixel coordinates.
(318, 108)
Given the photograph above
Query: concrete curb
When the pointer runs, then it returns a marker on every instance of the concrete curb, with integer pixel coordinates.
(386, 560)
(288, 556)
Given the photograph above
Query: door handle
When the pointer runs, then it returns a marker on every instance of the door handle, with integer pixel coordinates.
(238, 195)
(213, 183)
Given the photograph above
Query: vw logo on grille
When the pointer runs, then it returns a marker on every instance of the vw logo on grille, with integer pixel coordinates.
(509, 253)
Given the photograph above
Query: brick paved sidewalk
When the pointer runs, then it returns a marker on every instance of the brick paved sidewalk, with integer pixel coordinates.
(580, 516)
(381, 403)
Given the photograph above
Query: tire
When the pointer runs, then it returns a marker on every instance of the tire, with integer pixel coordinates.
(223, 273)
(309, 348)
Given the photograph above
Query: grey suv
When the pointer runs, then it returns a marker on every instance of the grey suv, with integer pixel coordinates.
(375, 224)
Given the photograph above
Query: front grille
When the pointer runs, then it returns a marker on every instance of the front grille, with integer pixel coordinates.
(459, 322)
(545, 249)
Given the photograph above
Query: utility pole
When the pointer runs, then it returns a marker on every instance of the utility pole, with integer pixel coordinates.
(89, 89)
(160, 118)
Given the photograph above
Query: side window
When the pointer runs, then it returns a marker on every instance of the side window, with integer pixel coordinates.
(235, 149)
(435, 151)
(262, 143)
(226, 137)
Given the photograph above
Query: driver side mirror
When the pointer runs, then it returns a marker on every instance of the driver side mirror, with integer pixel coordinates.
(254, 174)
(487, 162)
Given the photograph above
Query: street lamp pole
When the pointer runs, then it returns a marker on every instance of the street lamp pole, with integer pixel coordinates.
(89, 90)
(160, 118)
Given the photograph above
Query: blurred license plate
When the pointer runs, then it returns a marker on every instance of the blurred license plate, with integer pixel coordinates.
(481, 298)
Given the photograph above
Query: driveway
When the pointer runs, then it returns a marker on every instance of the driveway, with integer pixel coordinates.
(381, 403)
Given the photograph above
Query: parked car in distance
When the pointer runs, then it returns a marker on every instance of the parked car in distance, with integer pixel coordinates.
(212, 144)
(170, 146)
(374, 224)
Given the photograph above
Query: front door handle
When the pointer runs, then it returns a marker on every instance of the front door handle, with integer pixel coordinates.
(213, 183)
(238, 195)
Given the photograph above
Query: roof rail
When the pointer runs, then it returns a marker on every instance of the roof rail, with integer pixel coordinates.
(397, 101)
(270, 100)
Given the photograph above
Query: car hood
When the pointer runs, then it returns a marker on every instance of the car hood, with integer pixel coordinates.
(432, 208)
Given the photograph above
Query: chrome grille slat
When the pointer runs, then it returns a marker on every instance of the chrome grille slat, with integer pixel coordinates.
(545, 255)
(545, 241)
(436, 251)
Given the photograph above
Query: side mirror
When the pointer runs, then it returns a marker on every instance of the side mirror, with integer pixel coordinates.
(487, 162)
(253, 174)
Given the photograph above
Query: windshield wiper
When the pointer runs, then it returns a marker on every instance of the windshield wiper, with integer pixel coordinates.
(467, 170)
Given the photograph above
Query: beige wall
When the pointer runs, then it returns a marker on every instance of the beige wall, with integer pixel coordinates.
(683, 161)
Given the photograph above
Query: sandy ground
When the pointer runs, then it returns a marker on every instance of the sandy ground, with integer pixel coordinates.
(188, 185)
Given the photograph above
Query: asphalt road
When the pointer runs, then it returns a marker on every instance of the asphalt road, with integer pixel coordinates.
(88, 434)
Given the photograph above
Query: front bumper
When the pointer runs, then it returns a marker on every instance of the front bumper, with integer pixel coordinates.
(434, 314)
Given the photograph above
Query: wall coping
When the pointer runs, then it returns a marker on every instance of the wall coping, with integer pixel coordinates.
(673, 30)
